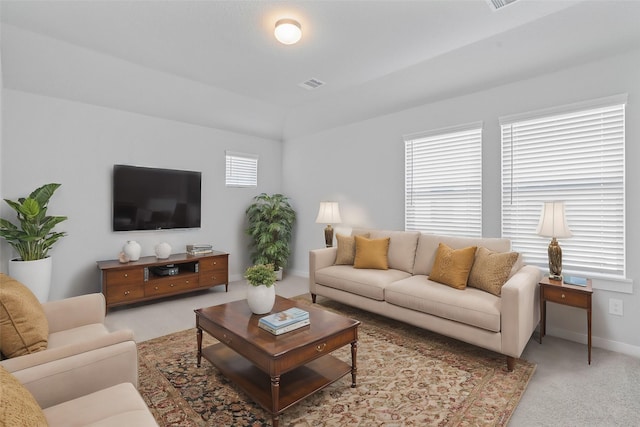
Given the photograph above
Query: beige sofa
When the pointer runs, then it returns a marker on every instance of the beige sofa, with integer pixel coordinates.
(82, 355)
(404, 292)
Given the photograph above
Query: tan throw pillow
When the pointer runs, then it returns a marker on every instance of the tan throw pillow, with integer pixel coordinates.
(452, 266)
(346, 249)
(491, 270)
(371, 253)
(23, 326)
(18, 407)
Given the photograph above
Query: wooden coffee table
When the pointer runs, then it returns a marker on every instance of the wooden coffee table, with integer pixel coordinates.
(277, 371)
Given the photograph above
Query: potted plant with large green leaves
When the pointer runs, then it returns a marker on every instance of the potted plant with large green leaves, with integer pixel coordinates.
(270, 219)
(261, 294)
(32, 239)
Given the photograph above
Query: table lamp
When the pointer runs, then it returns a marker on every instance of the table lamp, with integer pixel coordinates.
(553, 223)
(329, 213)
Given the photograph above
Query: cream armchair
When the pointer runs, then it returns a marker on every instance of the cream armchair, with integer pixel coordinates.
(81, 357)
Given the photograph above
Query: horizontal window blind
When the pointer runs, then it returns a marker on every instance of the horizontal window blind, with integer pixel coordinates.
(443, 181)
(241, 169)
(576, 157)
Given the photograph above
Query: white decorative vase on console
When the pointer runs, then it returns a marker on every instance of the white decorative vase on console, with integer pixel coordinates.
(132, 250)
(261, 298)
(163, 250)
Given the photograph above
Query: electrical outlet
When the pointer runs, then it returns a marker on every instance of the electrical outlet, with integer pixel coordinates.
(615, 306)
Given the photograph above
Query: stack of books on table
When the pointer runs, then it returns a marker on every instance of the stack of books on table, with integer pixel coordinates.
(200, 249)
(284, 321)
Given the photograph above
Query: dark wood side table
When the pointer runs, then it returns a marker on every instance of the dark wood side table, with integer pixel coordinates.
(562, 293)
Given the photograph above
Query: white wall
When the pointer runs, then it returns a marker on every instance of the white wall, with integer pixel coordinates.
(362, 166)
(53, 140)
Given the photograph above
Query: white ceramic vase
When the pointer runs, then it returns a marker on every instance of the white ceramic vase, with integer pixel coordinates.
(35, 275)
(261, 298)
(132, 250)
(163, 250)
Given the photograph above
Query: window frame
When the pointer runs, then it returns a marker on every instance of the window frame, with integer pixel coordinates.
(246, 164)
(457, 216)
(580, 252)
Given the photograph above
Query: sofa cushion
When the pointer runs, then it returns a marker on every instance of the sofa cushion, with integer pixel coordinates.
(23, 325)
(491, 270)
(371, 253)
(470, 306)
(428, 246)
(452, 266)
(18, 407)
(346, 252)
(119, 405)
(402, 247)
(365, 282)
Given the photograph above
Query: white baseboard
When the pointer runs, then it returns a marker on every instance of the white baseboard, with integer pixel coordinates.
(618, 347)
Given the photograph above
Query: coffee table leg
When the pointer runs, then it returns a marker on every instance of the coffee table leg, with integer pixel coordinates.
(199, 347)
(354, 367)
(275, 399)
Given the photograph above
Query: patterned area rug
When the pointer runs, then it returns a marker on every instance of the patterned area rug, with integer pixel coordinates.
(406, 377)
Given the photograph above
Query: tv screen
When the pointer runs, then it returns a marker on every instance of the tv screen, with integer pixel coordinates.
(155, 199)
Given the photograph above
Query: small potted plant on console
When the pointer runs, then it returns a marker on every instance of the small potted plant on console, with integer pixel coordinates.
(261, 292)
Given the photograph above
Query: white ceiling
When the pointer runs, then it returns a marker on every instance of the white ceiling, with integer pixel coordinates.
(374, 56)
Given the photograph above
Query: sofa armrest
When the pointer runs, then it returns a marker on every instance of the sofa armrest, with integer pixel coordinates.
(44, 357)
(77, 311)
(520, 310)
(320, 258)
(80, 374)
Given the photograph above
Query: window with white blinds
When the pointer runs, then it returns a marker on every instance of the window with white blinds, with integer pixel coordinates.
(443, 181)
(241, 169)
(573, 154)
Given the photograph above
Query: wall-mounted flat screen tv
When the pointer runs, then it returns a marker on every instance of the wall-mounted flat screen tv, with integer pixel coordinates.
(155, 199)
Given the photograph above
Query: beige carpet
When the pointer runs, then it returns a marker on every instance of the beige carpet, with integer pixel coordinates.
(406, 377)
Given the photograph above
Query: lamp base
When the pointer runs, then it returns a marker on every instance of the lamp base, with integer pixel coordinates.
(555, 260)
(328, 236)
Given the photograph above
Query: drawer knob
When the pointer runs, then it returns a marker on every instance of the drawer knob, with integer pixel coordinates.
(127, 292)
(187, 282)
(320, 348)
(156, 288)
(172, 285)
(563, 296)
(126, 275)
(214, 263)
(226, 339)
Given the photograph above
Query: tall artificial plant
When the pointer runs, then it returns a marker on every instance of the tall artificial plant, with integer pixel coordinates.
(33, 238)
(270, 225)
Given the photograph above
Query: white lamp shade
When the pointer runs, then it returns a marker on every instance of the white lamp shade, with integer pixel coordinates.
(288, 31)
(329, 213)
(553, 222)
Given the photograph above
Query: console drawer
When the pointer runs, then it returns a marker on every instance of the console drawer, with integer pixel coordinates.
(129, 276)
(169, 285)
(218, 263)
(123, 293)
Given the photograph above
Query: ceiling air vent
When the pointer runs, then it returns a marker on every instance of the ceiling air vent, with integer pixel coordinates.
(311, 84)
(499, 4)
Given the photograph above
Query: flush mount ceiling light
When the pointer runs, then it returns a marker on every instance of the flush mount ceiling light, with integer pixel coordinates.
(288, 31)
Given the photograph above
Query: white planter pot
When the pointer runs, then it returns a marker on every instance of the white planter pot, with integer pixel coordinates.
(35, 275)
(261, 298)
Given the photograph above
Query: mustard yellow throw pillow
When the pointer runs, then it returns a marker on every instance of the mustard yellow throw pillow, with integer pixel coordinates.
(23, 326)
(491, 270)
(18, 407)
(452, 266)
(346, 249)
(371, 253)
